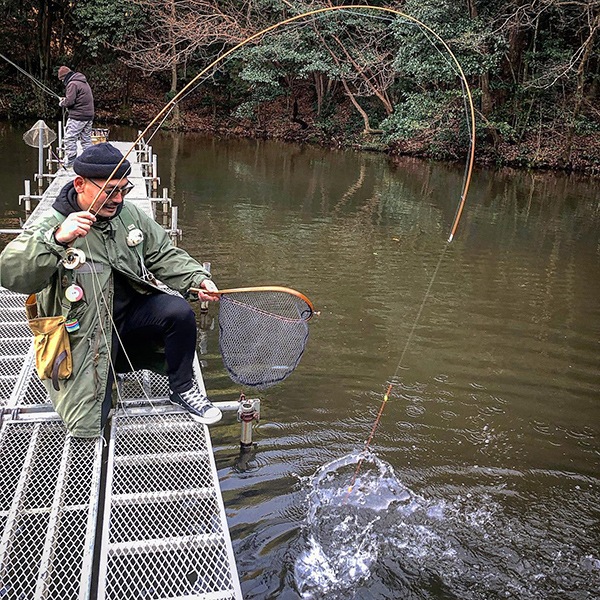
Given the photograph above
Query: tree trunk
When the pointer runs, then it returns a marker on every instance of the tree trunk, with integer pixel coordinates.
(387, 105)
(487, 103)
(579, 94)
(319, 88)
(176, 115)
(358, 107)
(44, 37)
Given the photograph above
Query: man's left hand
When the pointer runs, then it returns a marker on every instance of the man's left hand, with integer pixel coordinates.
(208, 286)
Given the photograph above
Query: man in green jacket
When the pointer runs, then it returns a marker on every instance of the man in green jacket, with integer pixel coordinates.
(118, 314)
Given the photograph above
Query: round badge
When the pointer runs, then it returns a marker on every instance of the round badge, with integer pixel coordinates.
(73, 293)
(134, 237)
(71, 325)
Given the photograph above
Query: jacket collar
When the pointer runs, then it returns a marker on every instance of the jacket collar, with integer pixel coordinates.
(68, 77)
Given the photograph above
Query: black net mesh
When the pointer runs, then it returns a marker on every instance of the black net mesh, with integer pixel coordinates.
(262, 335)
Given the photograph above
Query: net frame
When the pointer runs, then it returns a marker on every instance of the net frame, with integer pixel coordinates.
(263, 288)
(263, 333)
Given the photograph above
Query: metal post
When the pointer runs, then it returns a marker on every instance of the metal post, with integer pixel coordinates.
(174, 232)
(60, 150)
(40, 155)
(148, 161)
(154, 177)
(165, 207)
(204, 304)
(27, 197)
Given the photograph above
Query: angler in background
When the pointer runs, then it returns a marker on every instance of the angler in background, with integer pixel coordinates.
(117, 314)
(79, 102)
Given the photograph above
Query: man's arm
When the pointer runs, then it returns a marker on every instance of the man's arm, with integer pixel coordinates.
(70, 95)
(29, 262)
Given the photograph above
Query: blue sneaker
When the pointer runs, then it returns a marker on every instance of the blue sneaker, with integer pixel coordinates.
(197, 404)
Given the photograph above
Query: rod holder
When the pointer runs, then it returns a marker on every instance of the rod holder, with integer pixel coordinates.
(248, 413)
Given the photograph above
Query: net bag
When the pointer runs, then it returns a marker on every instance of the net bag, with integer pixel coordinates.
(39, 133)
(262, 335)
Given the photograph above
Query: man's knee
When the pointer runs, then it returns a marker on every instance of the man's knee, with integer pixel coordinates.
(178, 311)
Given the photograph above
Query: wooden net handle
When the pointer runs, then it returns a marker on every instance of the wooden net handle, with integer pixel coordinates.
(259, 288)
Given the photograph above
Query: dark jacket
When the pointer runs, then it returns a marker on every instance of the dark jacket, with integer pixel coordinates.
(79, 100)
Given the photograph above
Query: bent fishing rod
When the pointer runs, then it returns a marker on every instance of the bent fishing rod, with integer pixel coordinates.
(163, 113)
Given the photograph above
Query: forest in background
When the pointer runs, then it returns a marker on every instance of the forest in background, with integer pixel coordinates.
(352, 78)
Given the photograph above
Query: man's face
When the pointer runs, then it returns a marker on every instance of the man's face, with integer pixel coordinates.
(103, 204)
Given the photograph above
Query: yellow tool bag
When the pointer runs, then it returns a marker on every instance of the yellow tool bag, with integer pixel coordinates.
(51, 343)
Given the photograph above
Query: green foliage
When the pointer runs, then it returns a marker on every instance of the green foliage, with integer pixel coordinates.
(107, 81)
(527, 74)
(104, 23)
(585, 125)
(417, 113)
(28, 104)
(423, 58)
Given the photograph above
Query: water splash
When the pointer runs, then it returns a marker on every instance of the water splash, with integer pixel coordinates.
(341, 529)
(467, 541)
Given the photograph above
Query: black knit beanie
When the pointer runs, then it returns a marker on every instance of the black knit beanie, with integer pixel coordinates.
(99, 161)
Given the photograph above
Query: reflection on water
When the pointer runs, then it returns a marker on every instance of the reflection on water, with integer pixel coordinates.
(487, 455)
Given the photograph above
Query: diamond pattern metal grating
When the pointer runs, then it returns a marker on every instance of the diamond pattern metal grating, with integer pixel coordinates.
(49, 486)
(165, 532)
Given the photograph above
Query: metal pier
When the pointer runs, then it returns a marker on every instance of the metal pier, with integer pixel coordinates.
(137, 516)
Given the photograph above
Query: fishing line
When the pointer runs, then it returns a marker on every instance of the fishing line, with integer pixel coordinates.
(390, 386)
(99, 299)
(41, 85)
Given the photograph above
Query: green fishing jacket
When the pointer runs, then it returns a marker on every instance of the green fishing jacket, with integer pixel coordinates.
(32, 263)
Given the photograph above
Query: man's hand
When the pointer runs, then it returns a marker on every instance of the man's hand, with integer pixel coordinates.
(61, 101)
(208, 286)
(76, 225)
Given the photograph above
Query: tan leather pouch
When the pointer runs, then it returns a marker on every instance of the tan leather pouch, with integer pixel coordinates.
(51, 343)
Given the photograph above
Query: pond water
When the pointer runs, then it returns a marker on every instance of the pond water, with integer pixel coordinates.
(483, 477)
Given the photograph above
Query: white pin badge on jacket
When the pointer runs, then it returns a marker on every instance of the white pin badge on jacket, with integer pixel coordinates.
(134, 237)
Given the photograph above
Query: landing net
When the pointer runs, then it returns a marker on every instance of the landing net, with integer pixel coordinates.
(40, 132)
(262, 334)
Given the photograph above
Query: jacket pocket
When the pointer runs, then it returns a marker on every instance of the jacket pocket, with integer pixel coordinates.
(52, 347)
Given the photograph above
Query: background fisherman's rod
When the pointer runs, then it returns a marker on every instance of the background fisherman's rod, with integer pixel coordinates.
(37, 82)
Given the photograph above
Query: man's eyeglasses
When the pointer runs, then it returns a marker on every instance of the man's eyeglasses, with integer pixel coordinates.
(112, 191)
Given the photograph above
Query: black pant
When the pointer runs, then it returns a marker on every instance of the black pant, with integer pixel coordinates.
(145, 322)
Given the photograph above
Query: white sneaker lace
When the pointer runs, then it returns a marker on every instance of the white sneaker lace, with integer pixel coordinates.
(196, 399)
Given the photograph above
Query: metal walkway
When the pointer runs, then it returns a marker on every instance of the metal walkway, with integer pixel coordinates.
(139, 516)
